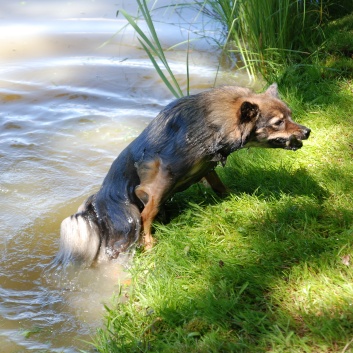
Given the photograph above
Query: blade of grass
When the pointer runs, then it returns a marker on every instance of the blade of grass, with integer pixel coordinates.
(160, 72)
(154, 47)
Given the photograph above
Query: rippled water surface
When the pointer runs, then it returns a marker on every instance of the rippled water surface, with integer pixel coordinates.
(73, 94)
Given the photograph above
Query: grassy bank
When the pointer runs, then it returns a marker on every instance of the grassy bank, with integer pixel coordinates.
(268, 268)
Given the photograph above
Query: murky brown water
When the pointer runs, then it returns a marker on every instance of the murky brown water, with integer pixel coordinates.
(69, 105)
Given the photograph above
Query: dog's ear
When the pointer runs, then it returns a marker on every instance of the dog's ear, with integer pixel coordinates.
(273, 90)
(248, 112)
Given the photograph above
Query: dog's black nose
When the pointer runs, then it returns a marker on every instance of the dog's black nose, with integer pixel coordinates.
(306, 132)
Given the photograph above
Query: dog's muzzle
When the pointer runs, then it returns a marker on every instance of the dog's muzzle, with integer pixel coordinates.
(306, 133)
(292, 143)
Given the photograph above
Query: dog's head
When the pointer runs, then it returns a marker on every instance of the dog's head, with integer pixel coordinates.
(271, 122)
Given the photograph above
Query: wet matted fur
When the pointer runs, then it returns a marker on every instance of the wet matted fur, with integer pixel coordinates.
(182, 145)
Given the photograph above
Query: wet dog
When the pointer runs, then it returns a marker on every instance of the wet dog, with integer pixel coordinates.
(182, 145)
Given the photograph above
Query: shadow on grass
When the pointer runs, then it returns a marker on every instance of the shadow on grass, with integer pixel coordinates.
(242, 175)
(241, 300)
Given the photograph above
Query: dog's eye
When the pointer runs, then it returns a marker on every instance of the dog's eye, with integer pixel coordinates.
(278, 123)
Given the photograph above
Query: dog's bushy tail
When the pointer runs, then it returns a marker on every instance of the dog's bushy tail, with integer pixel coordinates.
(80, 241)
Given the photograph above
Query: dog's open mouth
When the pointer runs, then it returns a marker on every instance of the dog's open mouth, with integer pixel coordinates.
(292, 143)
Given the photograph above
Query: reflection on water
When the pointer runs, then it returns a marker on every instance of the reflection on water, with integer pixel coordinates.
(69, 105)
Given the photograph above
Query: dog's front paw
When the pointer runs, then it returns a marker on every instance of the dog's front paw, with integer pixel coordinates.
(148, 242)
(148, 246)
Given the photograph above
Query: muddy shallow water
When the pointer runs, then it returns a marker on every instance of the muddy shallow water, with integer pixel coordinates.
(70, 102)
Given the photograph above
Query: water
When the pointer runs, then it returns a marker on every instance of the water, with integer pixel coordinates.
(70, 102)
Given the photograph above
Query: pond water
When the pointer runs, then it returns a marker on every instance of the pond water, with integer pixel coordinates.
(73, 93)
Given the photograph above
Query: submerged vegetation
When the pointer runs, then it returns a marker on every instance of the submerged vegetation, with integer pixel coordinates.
(270, 267)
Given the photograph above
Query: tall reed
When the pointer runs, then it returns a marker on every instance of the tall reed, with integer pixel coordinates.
(265, 36)
(152, 46)
(268, 33)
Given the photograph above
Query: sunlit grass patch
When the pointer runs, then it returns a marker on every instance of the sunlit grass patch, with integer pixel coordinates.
(315, 297)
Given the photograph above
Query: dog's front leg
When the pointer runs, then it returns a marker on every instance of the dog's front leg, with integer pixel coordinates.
(216, 183)
(152, 197)
(148, 215)
(155, 182)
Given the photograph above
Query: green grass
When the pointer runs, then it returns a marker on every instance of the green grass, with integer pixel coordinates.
(270, 267)
(270, 34)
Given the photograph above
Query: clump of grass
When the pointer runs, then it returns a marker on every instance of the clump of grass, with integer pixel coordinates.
(339, 48)
(269, 35)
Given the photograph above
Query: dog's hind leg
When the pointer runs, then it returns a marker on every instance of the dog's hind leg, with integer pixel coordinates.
(216, 183)
(155, 182)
